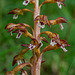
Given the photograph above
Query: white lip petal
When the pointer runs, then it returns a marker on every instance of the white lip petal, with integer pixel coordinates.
(19, 62)
(11, 33)
(52, 42)
(41, 26)
(19, 35)
(64, 49)
(23, 73)
(15, 16)
(31, 46)
(41, 44)
(59, 4)
(61, 26)
(24, 3)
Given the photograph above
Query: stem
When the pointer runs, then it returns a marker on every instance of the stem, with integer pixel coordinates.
(35, 70)
(36, 13)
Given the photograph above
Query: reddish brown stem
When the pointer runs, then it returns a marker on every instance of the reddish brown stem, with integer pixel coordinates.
(35, 70)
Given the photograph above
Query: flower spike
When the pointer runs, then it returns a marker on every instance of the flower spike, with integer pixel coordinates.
(59, 2)
(59, 21)
(42, 20)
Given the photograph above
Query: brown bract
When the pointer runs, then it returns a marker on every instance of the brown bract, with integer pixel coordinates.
(60, 0)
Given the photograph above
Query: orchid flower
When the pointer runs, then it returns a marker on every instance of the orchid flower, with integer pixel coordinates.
(54, 37)
(42, 21)
(20, 29)
(18, 58)
(18, 11)
(59, 2)
(59, 21)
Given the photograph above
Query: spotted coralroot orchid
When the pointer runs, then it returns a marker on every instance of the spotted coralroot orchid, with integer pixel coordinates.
(63, 45)
(35, 44)
(18, 11)
(42, 21)
(59, 2)
(59, 21)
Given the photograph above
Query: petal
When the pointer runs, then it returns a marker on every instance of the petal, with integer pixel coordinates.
(61, 20)
(19, 62)
(41, 44)
(16, 11)
(11, 33)
(41, 25)
(10, 25)
(15, 16)
(26, 2)
(26, 45)
(64, 49)
(59, 4)
(61, 26)
(23, 72)
(52, 42)
(31, 46)
(43, 39)
(19, 35)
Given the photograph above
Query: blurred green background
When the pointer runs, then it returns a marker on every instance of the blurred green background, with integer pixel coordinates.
(56, 62)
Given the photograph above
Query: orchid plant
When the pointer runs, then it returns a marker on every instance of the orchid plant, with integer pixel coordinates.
(36, 40)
